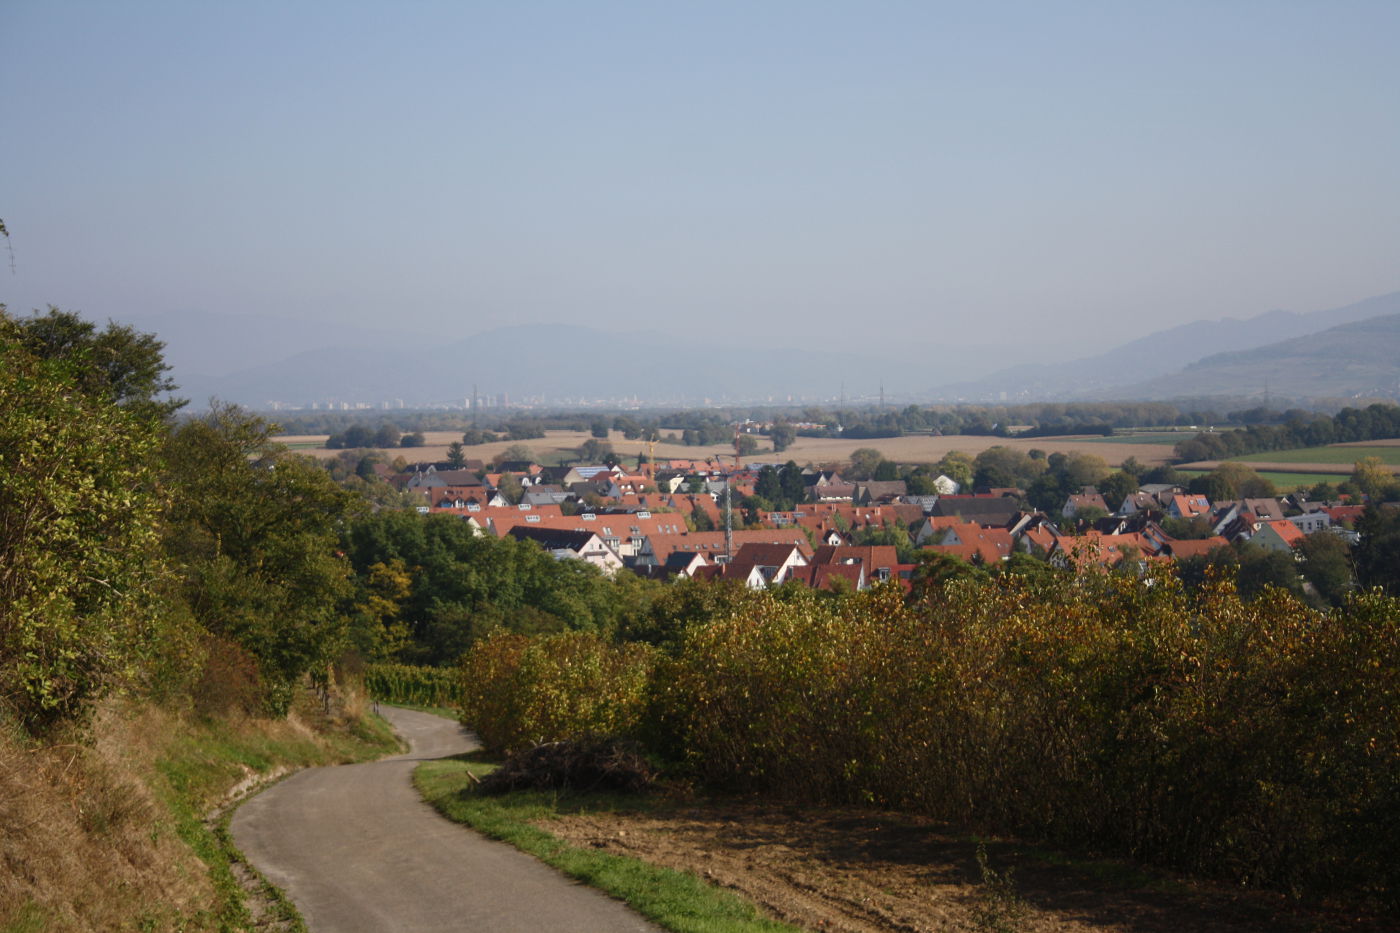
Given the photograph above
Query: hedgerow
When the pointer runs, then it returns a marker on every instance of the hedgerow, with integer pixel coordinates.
(1256, 740)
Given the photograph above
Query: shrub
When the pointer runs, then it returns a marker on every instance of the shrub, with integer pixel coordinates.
(519, 691)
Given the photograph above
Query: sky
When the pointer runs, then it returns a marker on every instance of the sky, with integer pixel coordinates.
(1065, 174)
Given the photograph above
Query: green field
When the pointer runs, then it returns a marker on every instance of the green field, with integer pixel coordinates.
(1286, 482)
(1341, 455)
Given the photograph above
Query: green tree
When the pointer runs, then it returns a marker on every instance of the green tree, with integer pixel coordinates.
(746, 445)
(80, 566)
(456, 457)
(1117, 487)
(254, 529)
(864, 462)
(599, 429)
(782, 434)
(511, 488)
(595, 451)
(515, 453)
(1377, 554)
(117, 362)
(1327, 566)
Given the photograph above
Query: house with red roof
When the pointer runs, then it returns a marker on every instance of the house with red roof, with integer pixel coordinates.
(1279, 535)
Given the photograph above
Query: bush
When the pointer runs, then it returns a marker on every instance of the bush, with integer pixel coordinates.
(1245, 740)
(519, 691)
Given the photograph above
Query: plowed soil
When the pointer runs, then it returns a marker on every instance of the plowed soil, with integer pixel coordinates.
(859, 871)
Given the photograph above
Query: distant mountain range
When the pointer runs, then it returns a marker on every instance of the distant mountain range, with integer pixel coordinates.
(1360, 359)
(258, 360)
(559, 364)
(1165, 364)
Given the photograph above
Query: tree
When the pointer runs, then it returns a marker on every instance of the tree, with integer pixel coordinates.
(864, 461)
(1374, 478)
(746, 445)
(1327, 566)
(386, 436)
(515, 453)
(599, 429)
(1083, 469)
(782, 434)
(254, 529)
(1117, 487)
(511, 488)
(885, 471)
(1377, 554)
(456, 458)
(415, 439)
(595, 451)
(80, 561)
(958, 467)
(118, 362)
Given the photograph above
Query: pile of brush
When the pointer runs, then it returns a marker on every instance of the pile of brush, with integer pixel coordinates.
(591, 764)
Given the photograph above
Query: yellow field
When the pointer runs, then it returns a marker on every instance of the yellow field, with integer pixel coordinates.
(814, 450)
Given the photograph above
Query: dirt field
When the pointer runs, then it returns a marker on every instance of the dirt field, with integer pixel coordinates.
(909, 449)
(863, 871)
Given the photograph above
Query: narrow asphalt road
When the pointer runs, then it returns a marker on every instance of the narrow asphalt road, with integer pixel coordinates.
(356, 849)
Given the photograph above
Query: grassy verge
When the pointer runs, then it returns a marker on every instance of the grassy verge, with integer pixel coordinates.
(203, 762)
(676, 900)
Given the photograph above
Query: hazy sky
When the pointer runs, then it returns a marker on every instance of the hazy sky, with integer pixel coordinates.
(1044, 170)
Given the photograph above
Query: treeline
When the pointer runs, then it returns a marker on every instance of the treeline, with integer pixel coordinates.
(1254, 741)
(715, 426)
(193, 561)
(1374, 422)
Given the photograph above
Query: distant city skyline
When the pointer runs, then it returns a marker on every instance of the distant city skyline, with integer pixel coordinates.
(1070, 174)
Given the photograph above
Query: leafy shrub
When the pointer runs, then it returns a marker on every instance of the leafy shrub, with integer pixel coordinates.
(1255, 741)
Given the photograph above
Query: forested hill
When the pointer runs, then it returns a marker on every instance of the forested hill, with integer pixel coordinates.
(1357, 359)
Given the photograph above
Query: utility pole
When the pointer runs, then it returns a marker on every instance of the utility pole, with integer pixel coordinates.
(728, 523)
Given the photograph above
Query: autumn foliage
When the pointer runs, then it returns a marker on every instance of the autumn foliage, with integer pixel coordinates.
(1256, 740)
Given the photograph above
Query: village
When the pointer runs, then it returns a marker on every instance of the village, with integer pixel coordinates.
(683, 519)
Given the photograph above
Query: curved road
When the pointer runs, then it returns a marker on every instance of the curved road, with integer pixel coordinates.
(356, 849)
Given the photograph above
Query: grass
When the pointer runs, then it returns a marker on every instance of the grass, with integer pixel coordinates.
(1286, 482)
(1339, 455)
(675, 900)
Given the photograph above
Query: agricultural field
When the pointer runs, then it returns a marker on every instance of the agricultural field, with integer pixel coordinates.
(1285, 482)
(557, 445)
(1345, 454)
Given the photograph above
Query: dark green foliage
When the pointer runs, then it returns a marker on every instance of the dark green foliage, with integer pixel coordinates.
(413, 685)
(117, 363)
(1326, 564)
(1350, 424)
(464, 585)
(254, 531)
(1378, 553)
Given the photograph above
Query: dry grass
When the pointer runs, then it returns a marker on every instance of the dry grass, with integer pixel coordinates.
(814, 450)
(83, 840)
(108, 829)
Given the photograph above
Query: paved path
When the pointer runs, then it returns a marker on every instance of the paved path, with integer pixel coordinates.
(356, 849)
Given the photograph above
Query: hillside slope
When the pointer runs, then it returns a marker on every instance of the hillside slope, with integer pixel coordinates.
(1356, 360)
